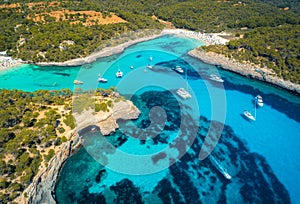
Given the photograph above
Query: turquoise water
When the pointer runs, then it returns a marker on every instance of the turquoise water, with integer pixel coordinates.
(262, 156)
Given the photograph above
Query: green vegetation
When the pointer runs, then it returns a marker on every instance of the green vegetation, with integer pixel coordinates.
(45, 40)
(102, 106)
(100, 100)
(49, 155)
(276, 48)
(216, 16)
(293, 5)
(70, 121)
(29, 123)
(31, 127)
(262, 23)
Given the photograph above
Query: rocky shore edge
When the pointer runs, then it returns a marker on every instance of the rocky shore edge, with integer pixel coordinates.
(207, 38)
(42, 188)
(250, 71)
(105, 52)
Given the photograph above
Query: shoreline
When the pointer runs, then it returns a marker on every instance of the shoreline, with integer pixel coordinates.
(7, 62)
(42, 187)
(243, 69)
(105, 52)
(247, 70)
(206, 38)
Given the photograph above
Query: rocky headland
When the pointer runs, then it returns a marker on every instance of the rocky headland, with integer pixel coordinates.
(107, 121)
(248, 70)
(42, 188)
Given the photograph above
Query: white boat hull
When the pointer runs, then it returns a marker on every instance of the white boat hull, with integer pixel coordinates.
(216, 78)
(248, 115)
(183, 93)
(259, 101)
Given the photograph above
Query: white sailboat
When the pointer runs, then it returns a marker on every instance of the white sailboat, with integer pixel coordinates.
(149, 66)
(101, 79)
(77, 82)
(248, 115)
(216, 78)
(259, 101)
(119, 73)
(182, 92)
(178, 69)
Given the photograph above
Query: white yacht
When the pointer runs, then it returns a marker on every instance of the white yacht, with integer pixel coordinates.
(150, 58)
(183, 93)
(249, 115)
(178, 69)
(219, 167)
(149, 66)
(77, 82)
(131, 67)
(259, 101)
(102, 80)
(216, 78)
(119, 74)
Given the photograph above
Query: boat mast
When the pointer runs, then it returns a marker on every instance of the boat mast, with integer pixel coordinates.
(186, 79)
(255, 109)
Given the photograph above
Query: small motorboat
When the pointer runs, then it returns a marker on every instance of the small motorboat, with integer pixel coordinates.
(119, 74)
(131, 67)
(220, 168)
(150, 58)
(77, 82)
(259, 101)
(178, 69)
(102, 80)
(216, 78)
(149, 67)
(183, 93)
(249, 115)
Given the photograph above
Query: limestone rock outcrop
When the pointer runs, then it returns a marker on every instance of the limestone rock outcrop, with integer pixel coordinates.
(41, 190)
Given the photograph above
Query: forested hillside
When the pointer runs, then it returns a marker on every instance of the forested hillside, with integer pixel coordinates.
(62, 30)
(276, 48)
(59, 31)
(293, 5)
(32, 127)
(216, 16)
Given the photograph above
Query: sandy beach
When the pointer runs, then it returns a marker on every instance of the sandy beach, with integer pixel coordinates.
(207, 38)
(106, 51)
(8, 62)
(119, 44)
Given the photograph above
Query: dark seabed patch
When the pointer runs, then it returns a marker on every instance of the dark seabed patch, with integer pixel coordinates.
(189, 180)
(61, 73)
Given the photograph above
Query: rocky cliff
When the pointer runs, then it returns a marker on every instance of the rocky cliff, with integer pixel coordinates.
(41, 190)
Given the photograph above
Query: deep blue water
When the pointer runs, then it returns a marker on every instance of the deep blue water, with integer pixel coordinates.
(262, 156)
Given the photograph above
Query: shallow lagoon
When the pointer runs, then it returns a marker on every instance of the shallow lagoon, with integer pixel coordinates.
(267, 148)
